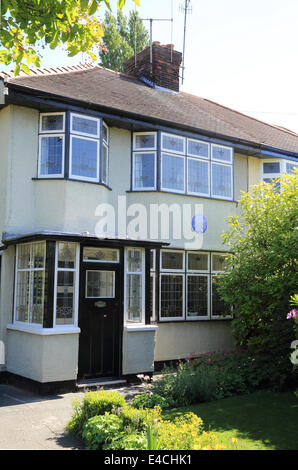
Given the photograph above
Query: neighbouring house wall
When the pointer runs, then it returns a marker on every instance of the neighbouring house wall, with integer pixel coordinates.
(254, 171)
(5, 127)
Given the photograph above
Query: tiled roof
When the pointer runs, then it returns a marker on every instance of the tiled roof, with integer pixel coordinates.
(104, 87)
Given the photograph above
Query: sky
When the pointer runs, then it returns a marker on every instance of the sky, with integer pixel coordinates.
(239, 53)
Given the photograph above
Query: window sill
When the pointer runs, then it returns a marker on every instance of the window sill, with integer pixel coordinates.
(195, 320)
(134, 328)
(44, 331)
(72, 179)
(182, 194)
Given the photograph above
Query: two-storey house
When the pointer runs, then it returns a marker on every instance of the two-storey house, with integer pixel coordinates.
(115, 190)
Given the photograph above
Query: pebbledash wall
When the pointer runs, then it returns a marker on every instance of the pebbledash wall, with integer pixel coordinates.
(30, 205)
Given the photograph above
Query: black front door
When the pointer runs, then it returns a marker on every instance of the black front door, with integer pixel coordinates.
(99, 319)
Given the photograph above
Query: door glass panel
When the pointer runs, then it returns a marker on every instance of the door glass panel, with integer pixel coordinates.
(106, 255)
(100, 284)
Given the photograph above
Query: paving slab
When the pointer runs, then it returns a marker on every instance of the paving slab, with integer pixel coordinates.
(33, 422)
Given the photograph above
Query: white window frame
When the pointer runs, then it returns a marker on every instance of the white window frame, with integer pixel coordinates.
(198, 156)
(104, 144)
(194, 193)
(145, 149)
(165, 270)
(29, 270)
(218, 196)
(171, 151)
(198, 317)
(133, 171)
(50, 175)
(142, 274)
(83, 178)
(171, 190)
(84, 134)
(214, 159)
(100, 297)
(198, 271)
(108, 134)
(55, 131)
(76, 271)
(172, 273)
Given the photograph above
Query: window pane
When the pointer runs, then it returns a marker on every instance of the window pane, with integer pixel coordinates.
(197, 296)
(224, 154)
(195, 147)
(218, 262)
(275, 181)
(52, 122)
(221, 180)
(172, 260)
(198, 177)
(65, 298)
(152, 296)
(144, 170)
(51, 153)
(134, 261)
(144, 141)
(84, 125)
(91, 253)
(105, 164)
(37, 297)
(84, 158)
(290, 167)
(171, 298)
(24, 256)
(38, 255)
(219, 307)
(100, 284)
(271, 167)
(105, 133)
(173, 143)
(197, 261)
(22, 296)
(172, 172)
(134, 297)
(66, 255)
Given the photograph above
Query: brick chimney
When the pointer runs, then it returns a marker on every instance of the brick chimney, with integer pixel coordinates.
(164, 70)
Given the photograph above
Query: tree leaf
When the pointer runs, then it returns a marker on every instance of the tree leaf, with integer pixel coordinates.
(93, 8)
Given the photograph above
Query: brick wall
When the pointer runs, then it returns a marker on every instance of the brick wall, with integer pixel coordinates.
(165, 67)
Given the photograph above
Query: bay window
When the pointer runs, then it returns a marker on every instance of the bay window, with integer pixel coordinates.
(73, 146)
(275, 168)
(181, 165)
(187, 287)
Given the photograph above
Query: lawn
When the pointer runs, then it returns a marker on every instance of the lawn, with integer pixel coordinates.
(263, 420)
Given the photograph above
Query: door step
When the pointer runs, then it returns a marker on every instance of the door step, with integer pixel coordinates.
(96, 383)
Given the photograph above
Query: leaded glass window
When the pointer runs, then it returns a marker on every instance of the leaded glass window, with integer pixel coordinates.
(66, 277)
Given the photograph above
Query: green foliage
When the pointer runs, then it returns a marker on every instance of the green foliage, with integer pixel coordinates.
(261, 272)
(120, 34)
(27, 24)
(150, 400)
(93, 404)
(101, 429)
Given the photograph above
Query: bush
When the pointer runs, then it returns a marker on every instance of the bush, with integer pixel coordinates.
(93, 404)
(150, 400)
(101, 429)
(261, 272)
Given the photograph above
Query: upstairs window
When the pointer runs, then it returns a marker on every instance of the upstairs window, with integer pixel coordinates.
(273, 169)
(73, 146)
(185, 166)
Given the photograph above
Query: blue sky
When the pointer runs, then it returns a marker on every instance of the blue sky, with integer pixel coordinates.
(242, 54)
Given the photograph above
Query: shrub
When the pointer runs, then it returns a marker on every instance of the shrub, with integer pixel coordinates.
(93, 404)
(261, 272)
(150, 400)
(101, 429)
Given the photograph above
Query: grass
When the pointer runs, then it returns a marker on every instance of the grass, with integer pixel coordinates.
(263, 420)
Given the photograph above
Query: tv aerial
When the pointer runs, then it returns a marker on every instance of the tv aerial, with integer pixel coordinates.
(186, 8)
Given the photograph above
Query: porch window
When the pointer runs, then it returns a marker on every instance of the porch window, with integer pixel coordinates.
(134, 285)
(30, 281)
(66, 283)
